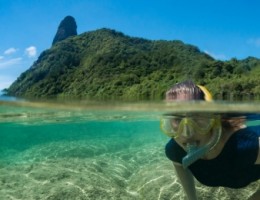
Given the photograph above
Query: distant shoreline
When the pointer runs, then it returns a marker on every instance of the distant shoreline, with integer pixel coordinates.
(4, 97)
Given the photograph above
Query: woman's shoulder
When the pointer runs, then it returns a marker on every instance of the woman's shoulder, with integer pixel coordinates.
(249, 132)
(247, 137)
(254, 130)
(246, 143)
(174, 151)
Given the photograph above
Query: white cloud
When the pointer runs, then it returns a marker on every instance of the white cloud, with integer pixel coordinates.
(31, 51)
(10, 62)
(10, 51)
(216, 56)
(254, 42)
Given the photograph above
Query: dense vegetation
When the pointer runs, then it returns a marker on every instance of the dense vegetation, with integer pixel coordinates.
(105, 64)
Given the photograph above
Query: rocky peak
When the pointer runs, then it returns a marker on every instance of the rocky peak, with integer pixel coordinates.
(67, 28)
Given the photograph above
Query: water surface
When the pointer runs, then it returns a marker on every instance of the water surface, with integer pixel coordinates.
(85, 150)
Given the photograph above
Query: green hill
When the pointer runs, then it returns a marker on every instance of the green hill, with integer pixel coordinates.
(106, 64)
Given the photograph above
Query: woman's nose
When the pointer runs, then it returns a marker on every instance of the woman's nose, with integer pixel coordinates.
(187, 132)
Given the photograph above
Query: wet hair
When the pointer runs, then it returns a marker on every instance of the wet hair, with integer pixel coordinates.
(187, 88)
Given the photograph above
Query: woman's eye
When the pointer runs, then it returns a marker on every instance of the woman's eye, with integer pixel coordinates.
(201, 122)
(176, 121)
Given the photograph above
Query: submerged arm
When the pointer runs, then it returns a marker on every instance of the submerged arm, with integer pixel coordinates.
(258, 157)
(187, 181)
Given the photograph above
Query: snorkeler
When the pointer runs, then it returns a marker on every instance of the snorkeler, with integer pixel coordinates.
(216, 151)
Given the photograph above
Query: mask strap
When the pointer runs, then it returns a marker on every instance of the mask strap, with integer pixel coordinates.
(207, 94)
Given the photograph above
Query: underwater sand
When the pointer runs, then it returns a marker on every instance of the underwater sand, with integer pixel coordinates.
(54, 153)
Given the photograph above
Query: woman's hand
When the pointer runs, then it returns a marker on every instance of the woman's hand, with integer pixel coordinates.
(187, 181)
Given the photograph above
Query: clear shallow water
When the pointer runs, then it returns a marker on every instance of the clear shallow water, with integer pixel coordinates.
(94, 151)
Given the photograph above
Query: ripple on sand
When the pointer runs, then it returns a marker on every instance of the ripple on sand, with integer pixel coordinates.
(128, 173)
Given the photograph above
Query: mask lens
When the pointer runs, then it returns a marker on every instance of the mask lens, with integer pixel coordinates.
(174, 126)
(202, 125)
(170, 125)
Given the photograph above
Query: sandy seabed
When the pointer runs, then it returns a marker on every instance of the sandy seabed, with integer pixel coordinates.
(78, 170)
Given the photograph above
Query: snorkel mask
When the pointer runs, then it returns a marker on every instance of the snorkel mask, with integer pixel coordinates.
(191, 128)
(185, 126)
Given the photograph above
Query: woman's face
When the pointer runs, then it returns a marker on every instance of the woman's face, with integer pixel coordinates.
(192, 130)
(195, 130)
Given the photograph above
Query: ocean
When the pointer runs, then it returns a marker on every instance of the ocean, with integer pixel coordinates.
(89, 150)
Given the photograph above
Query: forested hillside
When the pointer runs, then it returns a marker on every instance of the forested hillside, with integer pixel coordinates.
(106, 64)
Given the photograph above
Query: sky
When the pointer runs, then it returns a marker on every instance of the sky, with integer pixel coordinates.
(224, 29)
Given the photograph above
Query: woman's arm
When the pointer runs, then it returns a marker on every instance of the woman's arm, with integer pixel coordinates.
(187, 181)
(258, 157)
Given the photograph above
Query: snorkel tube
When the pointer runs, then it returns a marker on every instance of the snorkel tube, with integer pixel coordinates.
(194, 152)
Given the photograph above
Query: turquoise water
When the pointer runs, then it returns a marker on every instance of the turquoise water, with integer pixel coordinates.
(89, 151)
